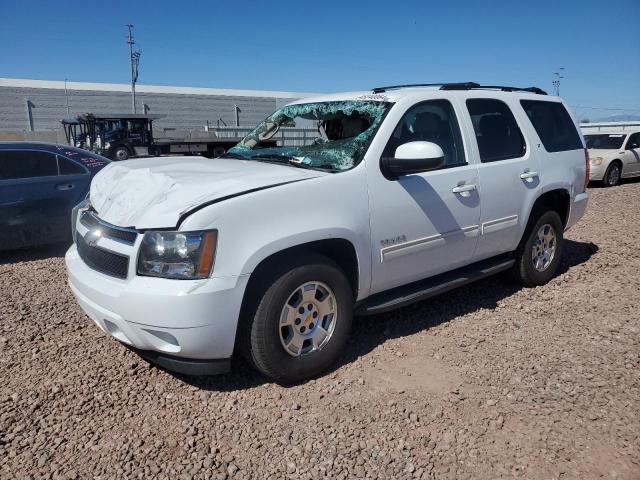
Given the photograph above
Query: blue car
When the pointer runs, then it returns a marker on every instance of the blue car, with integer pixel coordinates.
(40, 183)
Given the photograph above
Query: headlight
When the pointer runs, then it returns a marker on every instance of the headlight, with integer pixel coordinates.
(595, 161)
(107, 145)
(180, 255)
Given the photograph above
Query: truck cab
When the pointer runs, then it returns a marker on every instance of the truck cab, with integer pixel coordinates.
(118, 136)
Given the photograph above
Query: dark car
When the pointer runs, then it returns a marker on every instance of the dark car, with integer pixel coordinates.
(40, 183)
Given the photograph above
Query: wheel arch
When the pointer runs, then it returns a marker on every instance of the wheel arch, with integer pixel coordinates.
(558, 199)
(618, 161)
(121, 144)
(339, 250)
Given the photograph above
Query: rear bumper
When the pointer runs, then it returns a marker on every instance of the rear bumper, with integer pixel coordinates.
(577, 208)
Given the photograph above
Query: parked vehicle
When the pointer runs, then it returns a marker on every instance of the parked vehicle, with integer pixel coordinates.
(614, 155)
(406, 192)
(39, 185)
(120, 136)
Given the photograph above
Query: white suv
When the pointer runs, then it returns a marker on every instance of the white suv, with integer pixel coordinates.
(405, 192)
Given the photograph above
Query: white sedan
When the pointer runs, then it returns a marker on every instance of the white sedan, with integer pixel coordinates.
(613, 156)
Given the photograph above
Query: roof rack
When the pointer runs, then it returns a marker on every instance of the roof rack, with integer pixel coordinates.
(537, 90)
(463, 86)
(441, 85)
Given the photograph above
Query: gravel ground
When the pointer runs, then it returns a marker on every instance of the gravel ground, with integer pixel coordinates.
(488, 381)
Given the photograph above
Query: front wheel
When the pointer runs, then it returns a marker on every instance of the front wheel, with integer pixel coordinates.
(613, 175)
(302, 322)
(537, 257)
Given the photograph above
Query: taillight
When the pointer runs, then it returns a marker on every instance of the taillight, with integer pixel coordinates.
(587, 169)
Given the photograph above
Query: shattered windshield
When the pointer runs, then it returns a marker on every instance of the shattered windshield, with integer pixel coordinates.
(325, 135)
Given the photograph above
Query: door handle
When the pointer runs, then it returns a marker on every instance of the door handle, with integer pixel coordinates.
(65, 186)
(464, 190)
(528, 175)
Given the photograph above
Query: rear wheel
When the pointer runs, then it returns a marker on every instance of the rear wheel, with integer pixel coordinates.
(613, 175)
(302, 321)
(120, 153)
(537, 258)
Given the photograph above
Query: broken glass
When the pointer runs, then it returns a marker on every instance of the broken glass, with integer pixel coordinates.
(341, 133)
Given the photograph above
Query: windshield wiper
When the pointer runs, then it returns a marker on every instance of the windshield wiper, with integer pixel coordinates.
(291, 160)
(272, 157)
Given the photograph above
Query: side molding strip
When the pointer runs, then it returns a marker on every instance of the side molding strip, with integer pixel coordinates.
(499, 224)
(412, 246)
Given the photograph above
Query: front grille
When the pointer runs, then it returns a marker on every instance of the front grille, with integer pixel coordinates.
(109, 263)
(125, 235)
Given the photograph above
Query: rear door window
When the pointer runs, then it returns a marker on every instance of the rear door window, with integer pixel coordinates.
(496, 129)
(27, 164)
(553, 124)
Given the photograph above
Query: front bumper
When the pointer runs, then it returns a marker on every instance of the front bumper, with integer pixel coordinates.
(596, 173)
(178, 319)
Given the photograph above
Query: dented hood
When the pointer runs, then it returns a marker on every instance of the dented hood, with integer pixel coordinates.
(155, 192)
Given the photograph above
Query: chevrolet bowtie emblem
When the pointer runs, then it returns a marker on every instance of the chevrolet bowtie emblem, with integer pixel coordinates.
(92, 237)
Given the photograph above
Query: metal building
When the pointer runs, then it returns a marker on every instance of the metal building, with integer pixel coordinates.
(32, 109)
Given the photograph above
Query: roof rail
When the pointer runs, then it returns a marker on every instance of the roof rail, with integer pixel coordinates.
(408, 85)
(462, 86)
(537, 90)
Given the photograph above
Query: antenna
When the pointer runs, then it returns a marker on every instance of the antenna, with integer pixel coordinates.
(134, 58)
(556, 82)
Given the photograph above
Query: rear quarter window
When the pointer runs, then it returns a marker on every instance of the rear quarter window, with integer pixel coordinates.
(553, 125)
(67, 167)
(90, 160)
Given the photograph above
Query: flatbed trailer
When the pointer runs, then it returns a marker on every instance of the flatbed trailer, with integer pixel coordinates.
(120, 136)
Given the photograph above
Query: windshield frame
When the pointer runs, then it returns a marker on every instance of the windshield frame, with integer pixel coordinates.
(622, 136)
(289, 160)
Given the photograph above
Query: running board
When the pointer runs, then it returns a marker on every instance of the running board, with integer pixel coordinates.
(430, 287)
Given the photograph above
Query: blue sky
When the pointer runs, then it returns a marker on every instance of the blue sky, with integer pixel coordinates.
(325, 46)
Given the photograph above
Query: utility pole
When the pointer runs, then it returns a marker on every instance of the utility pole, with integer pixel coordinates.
(556, 82)
(134, 58)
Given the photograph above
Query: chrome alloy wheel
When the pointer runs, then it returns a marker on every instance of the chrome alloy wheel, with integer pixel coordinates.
(614, 175)
(544, 247)
(308, 318)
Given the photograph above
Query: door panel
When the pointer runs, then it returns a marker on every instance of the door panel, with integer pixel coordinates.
(509, 174)
(32, 212)
(632, 156)
(426, 223)
(35, 202)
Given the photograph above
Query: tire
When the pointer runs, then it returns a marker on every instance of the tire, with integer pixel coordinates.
(120, 153)
(613, 175)
(265, 338)
(531, 269)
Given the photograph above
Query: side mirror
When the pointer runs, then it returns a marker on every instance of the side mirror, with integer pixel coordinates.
(413, 157)
(632, 146)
